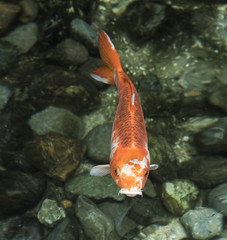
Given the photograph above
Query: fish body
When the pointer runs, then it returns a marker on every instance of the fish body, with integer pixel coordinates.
(129, 157)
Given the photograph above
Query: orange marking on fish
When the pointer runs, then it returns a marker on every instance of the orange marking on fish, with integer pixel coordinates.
(129, 157)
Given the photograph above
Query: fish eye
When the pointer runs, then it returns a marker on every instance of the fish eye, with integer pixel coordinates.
(117, 172)
(146, 173)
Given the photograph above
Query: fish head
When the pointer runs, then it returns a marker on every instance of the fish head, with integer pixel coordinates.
(131, 175)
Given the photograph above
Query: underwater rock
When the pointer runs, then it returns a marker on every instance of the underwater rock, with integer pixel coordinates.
(86, 68)
(8, 14)
(5, 94)
(199, 76)
(218, 97)
(84, 167)
(179, 196)
(66, 229)
(98, 143)
(197, 81)
(29, 10)
(14, 131)
(23, 37)
(184, 149)
(50, 213)
(96, 224)
(156, 101)
(109, 11)
(93, 187)
(20, 227)
(217, 199)
(214, 138)
(149, 211)
(174, 230)
(55, 85)
(149, 189)
(84, 33)
(162, 154)
(69, 52)
(56, 120)
(198, 124)
(205, 170)
(19, 191)
(55, 155)
(106, 111)
(8, 56)
(142, 17)
(210, 23)
(118, 212)
(202, 223)
(54, 190)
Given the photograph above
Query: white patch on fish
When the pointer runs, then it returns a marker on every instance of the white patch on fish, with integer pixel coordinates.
(133, 98)
(148, 153)
(128, 170)
(98, 78)
(143, 163)
(152, 166)
(114, 145)
(112, 46)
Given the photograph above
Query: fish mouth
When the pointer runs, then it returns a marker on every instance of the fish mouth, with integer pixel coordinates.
(132, 192)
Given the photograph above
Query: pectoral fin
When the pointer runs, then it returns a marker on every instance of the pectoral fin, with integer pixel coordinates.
(100, 170)
(153, 166)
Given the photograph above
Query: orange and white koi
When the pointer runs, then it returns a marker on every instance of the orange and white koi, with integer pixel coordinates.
(129, 157)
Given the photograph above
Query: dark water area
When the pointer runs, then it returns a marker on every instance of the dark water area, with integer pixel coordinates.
(56, 120)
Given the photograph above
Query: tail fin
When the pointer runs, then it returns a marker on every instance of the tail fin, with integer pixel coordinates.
(110, 59)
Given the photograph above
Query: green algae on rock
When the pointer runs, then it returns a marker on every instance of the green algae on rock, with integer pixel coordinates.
(179, 196)
(173, 230)
(50, 212)
(202, 223)
(93, 187)
(97, 225)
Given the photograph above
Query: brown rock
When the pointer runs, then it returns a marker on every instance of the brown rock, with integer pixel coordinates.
(69, 52)
(29, 10)
(8, 14)
(56, 86)
(55, 155)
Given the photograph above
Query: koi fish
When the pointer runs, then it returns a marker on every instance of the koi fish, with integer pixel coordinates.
(129, 157)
